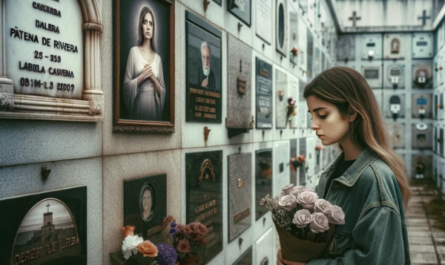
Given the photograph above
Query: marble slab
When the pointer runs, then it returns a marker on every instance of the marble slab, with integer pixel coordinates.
(264, 100)
(263, 179)
(281, 98)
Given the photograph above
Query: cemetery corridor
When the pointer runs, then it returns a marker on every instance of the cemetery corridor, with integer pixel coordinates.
(425, 219)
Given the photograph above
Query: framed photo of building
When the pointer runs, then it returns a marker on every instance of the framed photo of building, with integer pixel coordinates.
(48, 228)
(50, 68)
(204, 71)
(144, 59)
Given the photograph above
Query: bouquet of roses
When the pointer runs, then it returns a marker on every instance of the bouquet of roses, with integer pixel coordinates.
(304, 222)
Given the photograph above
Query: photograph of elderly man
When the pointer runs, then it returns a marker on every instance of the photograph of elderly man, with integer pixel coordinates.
(206, 77)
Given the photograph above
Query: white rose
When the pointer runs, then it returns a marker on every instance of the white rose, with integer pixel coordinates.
(320, 223)
(323, 206)
(288, 202)
(288, 188)
(307, 199)
(130, 245)
(337, 216)
(302, 218)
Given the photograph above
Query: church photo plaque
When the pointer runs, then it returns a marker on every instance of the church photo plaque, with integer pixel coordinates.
(239, 85)
(145, 205)
(45, 228)
(264, 109)
(204, 197)
(203, 68)
(281, 30)
(48, 70)
(263, 179)
(144, 73)
(240, 194)
(242, 9)
(281, 98)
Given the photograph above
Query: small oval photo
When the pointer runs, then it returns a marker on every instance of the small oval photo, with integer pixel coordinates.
(146, 202)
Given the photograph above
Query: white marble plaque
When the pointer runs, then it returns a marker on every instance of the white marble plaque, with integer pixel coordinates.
(265, 249)
(293, 92)
(44, 48)
(281, 167)
(281, 98)
(263, 28)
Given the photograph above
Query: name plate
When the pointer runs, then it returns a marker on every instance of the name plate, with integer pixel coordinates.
(241, 215)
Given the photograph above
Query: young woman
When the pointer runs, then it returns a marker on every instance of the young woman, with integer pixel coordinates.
(367, 179)
(144, 88)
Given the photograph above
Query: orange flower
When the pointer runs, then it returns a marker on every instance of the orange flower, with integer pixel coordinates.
(128, 230)
(148, 249)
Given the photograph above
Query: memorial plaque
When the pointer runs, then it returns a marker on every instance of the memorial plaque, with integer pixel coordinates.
(281, 98)
(394, 46)
(302, 167)
(265, 248)
(422, 167)
(145, 206)
(204, 76)
(246, 258)
(373, 74)
(311, 11)
(302, 108)
(302, 45)
(293, 92)
(422, 136)
(144, 57)
(436, 107)
(436, 76)
(396, 133)
(239, 85)
(394, 105)
(263, 27)
(442, 109)
(317, 61)
(46, 67)
(422, 44)
(323, 62)
(345, 48)
(204, 197)
(422, 106)
(293, 37)
(45, 228)
(241, 9)
(281, 27)
(240, 194)
(394, 75)
(264, 109)
(263, 179)
(310, 161)
(310, 52)
(217, 1)
(293, 155)
(371, 46)
(422, 74)
(441, 142)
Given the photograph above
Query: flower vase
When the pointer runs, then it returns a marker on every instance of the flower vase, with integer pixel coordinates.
(189, 260)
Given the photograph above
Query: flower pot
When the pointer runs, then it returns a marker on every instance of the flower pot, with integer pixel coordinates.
(189, 260)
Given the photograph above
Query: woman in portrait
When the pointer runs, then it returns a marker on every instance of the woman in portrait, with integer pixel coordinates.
(144, 87)
(146, 202)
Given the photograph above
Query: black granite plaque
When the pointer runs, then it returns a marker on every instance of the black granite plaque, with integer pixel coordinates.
(264, 108)
(310, 53)
(302, 167)
(263, 179)
(240, 194)
(203, 79)
(204, 196)
(246, 258)
(45, 228)
(145, 205)
(241, 9)
(217, 1)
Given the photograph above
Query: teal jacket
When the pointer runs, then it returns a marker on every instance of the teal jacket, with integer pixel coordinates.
(375, 228)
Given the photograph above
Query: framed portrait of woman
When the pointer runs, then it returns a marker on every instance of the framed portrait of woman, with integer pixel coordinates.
(144, 66)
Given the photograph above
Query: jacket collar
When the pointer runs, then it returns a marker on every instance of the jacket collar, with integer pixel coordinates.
(366, 157)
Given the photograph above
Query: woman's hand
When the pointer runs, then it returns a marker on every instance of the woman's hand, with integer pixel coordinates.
(146, 73)
(281, 261)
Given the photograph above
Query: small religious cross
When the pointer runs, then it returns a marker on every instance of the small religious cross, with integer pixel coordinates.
(48, 205)
(424, 18)
(354, 19)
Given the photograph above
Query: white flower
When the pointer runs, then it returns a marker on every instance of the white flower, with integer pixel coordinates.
(320, 223)
(307, 199)
(130, 244)
(288, 188)
(323, 206)
(302, 218)
(337, 216)
(288, 202)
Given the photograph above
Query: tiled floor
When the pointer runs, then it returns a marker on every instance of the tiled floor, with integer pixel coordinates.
(426, 224)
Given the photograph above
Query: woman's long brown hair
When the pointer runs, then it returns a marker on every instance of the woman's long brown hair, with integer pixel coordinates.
(346, 88)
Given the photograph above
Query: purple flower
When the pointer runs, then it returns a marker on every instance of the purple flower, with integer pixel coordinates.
(173, 231)
(291, 101)
(173, 224)
(167, 254)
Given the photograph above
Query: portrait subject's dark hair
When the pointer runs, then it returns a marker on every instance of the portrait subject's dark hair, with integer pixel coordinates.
(146, 187)
(146, 10)
(348, 90)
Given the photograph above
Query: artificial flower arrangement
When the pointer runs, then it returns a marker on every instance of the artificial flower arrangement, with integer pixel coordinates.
(290, 109)
(304, 222)
(188, 240)
(296, 162)
(134, 247)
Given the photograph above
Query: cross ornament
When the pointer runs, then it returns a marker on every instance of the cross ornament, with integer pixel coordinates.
(48, 205)
(354, 19)
(423, 18)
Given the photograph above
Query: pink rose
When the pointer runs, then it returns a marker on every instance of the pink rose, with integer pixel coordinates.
(337, 216)
(302, 218)
(307, 199)
(320, 223)
(323, 206)
(288, 202)
(288, 188)
(297, 190)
